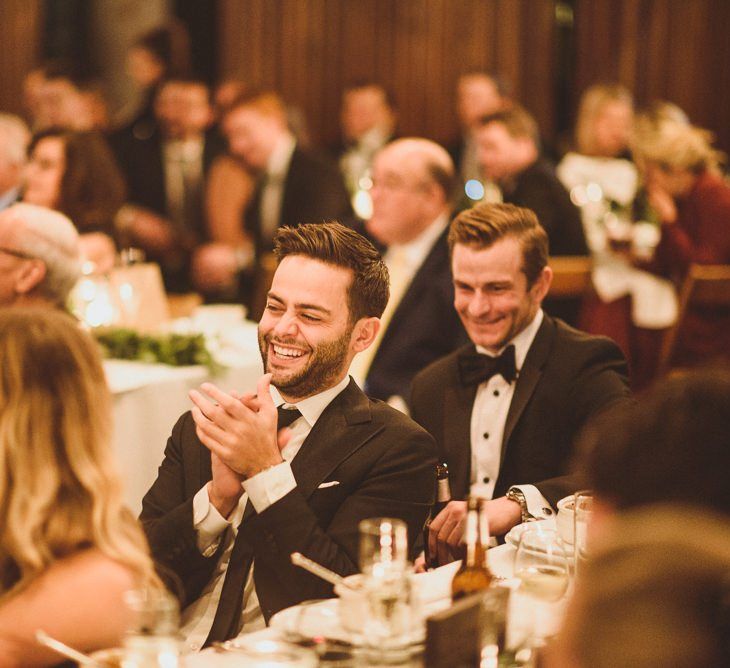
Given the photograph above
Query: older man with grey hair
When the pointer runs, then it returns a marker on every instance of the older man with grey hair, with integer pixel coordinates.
(14, 137)
(39, 256)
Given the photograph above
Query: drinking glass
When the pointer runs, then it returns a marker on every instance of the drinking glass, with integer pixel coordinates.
(583, 509)
(388, 588)
(542, 566)
(153, 639)
(383, 545)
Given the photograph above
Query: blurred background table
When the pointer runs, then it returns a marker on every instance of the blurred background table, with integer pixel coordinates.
(149, 398)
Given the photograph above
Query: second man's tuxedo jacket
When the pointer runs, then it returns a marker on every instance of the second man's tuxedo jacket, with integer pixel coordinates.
(567, 377)
(362, 459)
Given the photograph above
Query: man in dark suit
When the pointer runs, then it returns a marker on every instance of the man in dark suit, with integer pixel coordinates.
(411, 192)
(231, 491)
(165, 171)
(508, 152)
(506, 408)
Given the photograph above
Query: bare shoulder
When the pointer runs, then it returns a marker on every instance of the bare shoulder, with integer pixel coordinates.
(79, 599)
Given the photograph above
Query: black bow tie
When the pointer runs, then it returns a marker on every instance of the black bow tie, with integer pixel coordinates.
(475, 368)
(286, 416)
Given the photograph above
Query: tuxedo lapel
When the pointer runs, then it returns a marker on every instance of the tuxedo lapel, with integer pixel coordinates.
(458, 405)
(528, 378)
(344, 426)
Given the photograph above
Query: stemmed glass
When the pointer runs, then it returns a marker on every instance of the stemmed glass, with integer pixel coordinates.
(542, 566)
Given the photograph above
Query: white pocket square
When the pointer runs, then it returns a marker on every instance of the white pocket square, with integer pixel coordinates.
(331, 483)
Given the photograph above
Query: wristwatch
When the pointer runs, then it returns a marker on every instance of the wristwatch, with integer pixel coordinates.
(516, 494)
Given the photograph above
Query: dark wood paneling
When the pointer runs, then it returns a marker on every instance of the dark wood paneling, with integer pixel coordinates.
(676, 50)
(20, 29)
(310, 49)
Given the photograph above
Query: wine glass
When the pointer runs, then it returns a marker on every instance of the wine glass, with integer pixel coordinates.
(542, 566)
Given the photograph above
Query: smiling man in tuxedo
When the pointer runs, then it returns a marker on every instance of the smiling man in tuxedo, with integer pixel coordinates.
(236, 488)
(506, 407)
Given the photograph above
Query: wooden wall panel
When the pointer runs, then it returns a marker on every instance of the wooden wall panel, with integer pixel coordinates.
(661, 49)
(310, 49)
(20, 30)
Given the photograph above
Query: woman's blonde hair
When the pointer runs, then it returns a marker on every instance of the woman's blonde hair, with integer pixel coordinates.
(592, 103)
(673, 144)
(59, 489)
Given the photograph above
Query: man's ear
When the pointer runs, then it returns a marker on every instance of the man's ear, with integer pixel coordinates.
(541, 286)
(364, 333)
(31, 275)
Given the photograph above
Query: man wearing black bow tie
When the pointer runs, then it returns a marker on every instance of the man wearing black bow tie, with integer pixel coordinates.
(505, 409)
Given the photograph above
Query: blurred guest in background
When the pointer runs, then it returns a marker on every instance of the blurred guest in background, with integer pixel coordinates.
(367, 119)
(69, 549)
(75, 173)
(413, 182)
(509, 156)
(14, 137)
(656, 590)
(629, 305)
(293, 186)
(166, 174)
(39, 256)
(477, 95)
(506, 408)
(155, 56)
(692, 201)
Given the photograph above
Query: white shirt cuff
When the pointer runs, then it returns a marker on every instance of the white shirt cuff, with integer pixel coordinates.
(270, 485)
(208, 523)
(537, 504)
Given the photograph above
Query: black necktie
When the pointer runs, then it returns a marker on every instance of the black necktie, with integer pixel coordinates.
(228, 614)
(286, 416)
(475, 368)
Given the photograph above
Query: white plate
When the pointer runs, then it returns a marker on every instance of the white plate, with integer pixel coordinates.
(322, 618)
(513, 536)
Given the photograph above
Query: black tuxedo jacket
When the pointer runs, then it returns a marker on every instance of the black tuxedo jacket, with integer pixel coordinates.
(423, 328)
(383, 463)
(313, 192)
(567, 377)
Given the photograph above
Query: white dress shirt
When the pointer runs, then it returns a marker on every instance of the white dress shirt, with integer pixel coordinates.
(488, 418)
(263, 489)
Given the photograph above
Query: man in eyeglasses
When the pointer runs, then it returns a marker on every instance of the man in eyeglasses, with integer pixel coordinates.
(39, 256)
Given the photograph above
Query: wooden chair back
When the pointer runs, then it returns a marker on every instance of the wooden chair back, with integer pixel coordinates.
(571, 276)
(705, 285)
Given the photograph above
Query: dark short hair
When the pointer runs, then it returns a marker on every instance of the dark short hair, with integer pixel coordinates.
(517, 121)
(485, 224)
(360, 84)
(671, 445)
(335, 244)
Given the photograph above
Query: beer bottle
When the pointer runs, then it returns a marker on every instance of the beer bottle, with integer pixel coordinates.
(474, 575)
(443, 496)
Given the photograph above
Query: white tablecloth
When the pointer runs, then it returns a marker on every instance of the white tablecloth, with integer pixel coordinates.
(149, 398)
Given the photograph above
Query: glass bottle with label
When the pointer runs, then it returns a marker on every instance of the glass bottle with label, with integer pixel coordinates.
(474, 575)
(443, 496)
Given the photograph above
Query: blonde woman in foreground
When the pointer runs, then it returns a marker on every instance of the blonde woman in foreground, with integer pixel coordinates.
(69, 549)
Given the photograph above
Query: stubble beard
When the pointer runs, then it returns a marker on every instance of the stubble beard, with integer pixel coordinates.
(325, 365)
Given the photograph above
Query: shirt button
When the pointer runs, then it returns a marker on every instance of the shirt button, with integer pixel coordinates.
(486, 434)
(486, 479)
(496, 393)
(194, 646)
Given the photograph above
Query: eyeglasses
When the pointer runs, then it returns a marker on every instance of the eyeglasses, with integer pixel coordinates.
(16, 253)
